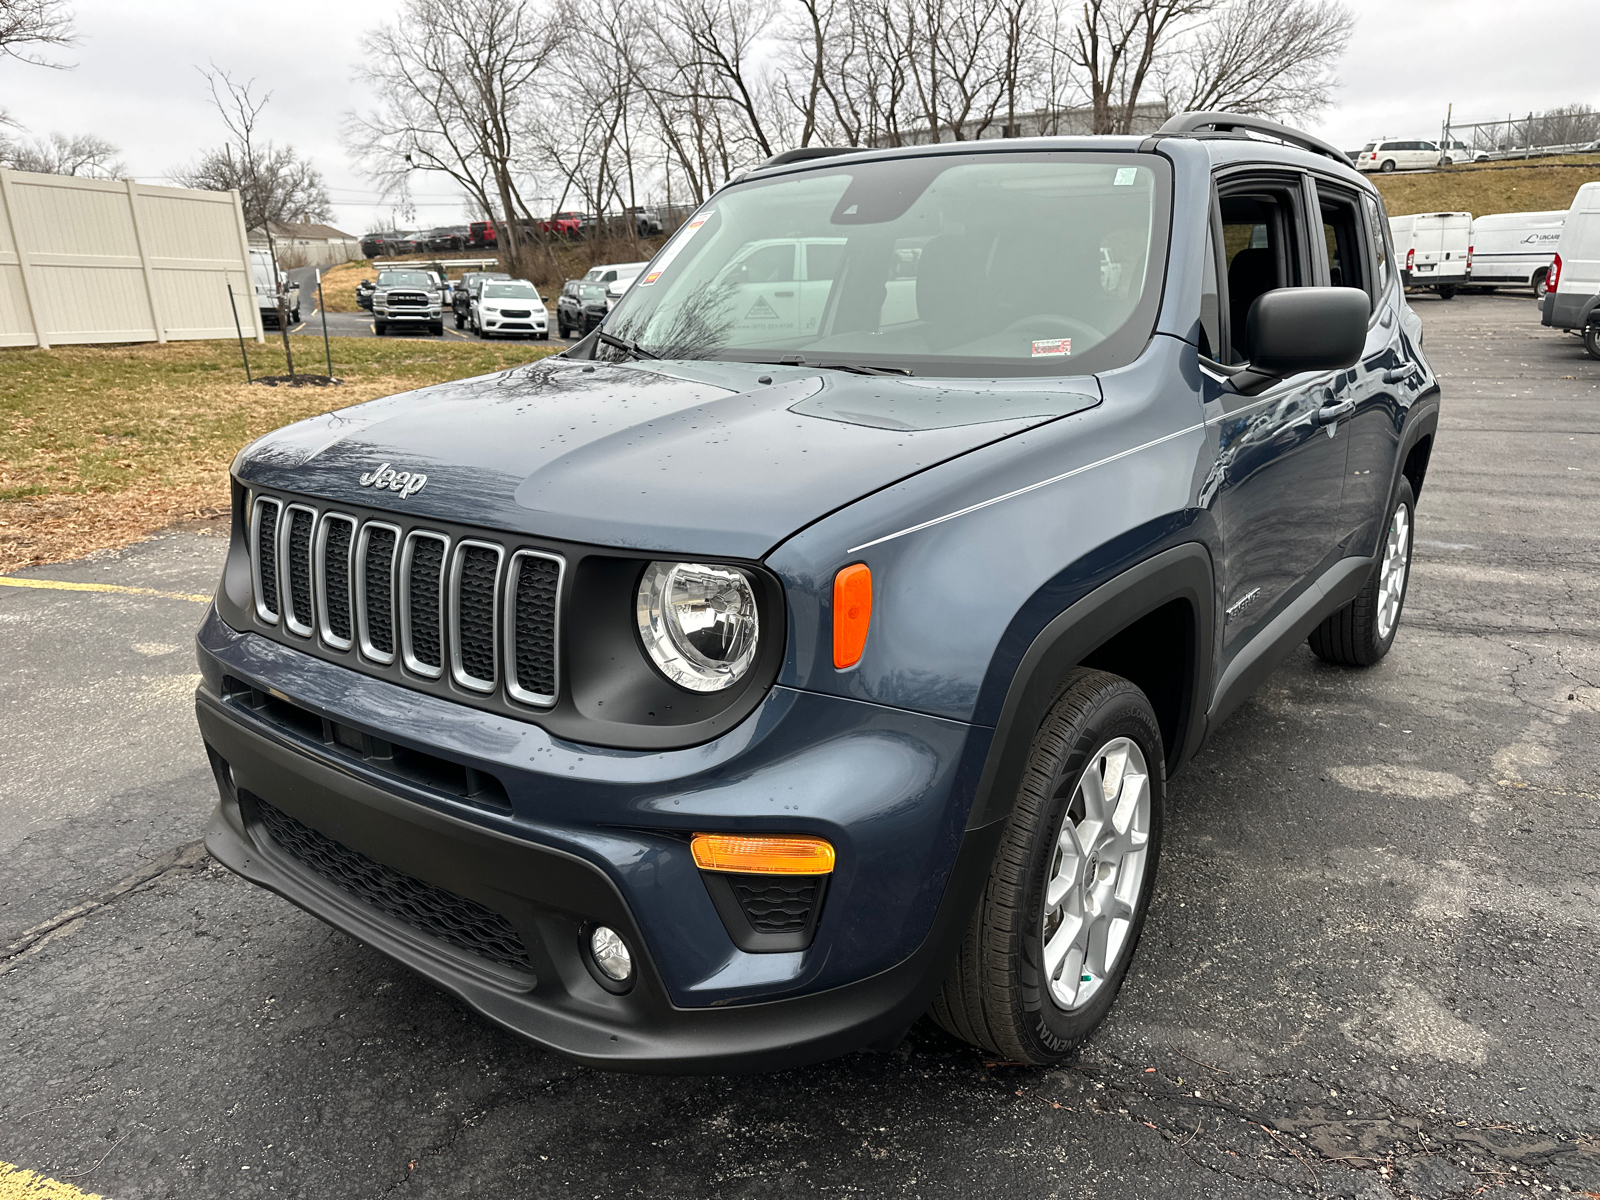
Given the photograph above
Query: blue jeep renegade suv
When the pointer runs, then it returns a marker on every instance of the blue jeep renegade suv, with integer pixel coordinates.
(809, 648)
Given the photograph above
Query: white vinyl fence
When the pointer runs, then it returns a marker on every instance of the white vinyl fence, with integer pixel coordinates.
(90, 260)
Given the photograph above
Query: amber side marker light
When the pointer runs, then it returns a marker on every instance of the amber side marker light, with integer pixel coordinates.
(852, 614)
(745, 855)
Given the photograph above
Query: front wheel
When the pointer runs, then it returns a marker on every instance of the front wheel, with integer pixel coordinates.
(1447, 292)
(437, 329)
(1591, 340)
(1361, 632)
(1053, 936)
(379, 328)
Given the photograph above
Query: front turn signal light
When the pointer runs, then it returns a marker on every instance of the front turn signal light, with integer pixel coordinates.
(754, 855)
(852, 613)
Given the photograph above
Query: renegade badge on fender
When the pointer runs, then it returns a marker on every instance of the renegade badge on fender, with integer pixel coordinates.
(809, 647)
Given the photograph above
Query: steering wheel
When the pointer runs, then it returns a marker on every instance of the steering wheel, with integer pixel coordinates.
(1048, 323)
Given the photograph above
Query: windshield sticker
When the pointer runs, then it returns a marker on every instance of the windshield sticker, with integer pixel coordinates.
(1051, 347)
(1126, 176)
(685, 236)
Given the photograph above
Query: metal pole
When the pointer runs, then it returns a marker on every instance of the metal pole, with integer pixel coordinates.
(234, 304)
(323, 309)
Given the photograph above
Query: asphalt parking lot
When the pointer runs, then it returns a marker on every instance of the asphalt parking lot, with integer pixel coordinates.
(1372, 968)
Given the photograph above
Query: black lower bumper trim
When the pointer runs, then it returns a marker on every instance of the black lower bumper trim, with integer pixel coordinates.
(548, 897)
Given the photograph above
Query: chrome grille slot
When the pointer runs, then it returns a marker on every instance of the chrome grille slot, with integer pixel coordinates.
(533, 593)
(375, 595)
(335, 540)
(474, 614)
(422, 602)
(264, 558)
(294, 558)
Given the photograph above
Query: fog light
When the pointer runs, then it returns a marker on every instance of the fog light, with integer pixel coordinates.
(611, 953)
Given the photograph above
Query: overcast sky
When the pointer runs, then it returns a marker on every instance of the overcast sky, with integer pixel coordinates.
(136, 81)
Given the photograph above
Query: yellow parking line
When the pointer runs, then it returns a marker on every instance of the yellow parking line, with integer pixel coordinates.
(18, 1184)
(61, 585)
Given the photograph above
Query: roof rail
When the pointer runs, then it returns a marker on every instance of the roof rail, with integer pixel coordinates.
(805, 152)
(1229, 123)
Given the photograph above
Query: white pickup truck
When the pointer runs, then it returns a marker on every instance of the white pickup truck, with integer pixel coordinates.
(407, 298)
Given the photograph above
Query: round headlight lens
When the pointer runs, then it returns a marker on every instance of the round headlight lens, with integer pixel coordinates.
(698, 623)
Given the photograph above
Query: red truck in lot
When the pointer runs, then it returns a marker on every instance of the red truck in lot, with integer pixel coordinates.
(569, 224)
(481, 234)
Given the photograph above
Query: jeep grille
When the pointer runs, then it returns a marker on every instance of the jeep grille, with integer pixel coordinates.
(409, 604)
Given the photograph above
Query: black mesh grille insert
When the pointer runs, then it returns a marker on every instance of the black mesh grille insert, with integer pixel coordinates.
(434, 911)
(299, 564)
(534, 622)
(267, 551)
(336, 577)
(379, 583)
(775, 904)
(427, 569)
(475, 612)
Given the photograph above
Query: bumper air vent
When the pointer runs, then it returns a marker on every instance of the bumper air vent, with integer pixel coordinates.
(462, 923)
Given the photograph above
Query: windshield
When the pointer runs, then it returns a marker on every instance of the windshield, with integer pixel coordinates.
(405, 279)
(509, 291)
(593, 291)
(971, 264)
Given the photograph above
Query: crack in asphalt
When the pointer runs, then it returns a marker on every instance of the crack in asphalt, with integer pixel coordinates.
(187, 857)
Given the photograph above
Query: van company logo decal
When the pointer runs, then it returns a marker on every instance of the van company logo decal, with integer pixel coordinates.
(407, 483)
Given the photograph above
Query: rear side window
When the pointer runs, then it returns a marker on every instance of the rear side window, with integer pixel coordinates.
(1380, 247)
(1344, 238)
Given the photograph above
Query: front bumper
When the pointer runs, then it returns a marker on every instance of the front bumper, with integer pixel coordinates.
(600, 837)
(497, 323)
(413, 316)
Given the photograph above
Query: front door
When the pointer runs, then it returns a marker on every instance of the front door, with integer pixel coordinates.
(1277, 482)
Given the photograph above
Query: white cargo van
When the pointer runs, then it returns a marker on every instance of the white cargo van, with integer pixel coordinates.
(1433, 250)
(1515, 248)
(1573, 299)
(268, 280)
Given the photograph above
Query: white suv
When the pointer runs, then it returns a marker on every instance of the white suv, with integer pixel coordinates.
(1393, 155)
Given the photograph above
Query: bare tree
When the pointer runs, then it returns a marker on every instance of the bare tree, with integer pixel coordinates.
(1272, 57)
(81, 154)
(28, 26)
(455, 80)
(275, 184)
(1565, 126)
(1118, 44)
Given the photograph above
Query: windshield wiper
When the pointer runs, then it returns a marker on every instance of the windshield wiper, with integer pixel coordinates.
(798, 360)
(632, 348)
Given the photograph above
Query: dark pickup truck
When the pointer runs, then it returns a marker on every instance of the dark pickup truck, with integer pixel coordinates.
(809, 648)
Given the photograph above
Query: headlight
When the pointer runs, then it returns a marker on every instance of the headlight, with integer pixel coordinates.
(698, 623)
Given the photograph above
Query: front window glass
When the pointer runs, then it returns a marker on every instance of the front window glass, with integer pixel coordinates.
(509, 291)
(974, 264)
(389, 279)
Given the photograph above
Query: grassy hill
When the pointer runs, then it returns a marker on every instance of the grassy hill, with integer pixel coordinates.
(1483, 188)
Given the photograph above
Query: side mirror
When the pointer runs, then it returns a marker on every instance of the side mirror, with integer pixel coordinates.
(1303, 329)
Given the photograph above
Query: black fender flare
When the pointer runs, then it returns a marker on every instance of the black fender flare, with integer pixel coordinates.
(1421, 422)
(1183, 572)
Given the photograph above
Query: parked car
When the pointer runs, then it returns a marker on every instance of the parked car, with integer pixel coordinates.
(1515, 248)
(406, 298)
(409, 243)
(374, 245)
(583, 303)
(1435, 251)
(646, 222)
(508, 308)
(462, 294)
(364, 291)
(1388, 156)
(730, 709)
(1453, 151)
(448, 237)
(1572, 298)
(569, 224)
(481, 234)
(269, 282)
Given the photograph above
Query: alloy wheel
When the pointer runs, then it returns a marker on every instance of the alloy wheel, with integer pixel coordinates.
(1096, 874)
(1392, 574)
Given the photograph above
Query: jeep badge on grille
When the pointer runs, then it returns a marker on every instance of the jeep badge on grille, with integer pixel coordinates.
(407, 483)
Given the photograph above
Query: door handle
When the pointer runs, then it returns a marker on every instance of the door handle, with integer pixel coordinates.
(1329, 413)
(1399, 374)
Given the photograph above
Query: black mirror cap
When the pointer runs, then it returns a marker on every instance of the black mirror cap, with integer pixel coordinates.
(1307, 329)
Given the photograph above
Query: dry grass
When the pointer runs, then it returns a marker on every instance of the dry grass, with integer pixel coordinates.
(339, 286)
(1484, 188)
(103, 445)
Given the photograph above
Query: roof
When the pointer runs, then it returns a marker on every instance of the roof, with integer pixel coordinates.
(308, 229)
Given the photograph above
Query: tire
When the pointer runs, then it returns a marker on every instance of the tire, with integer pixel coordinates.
(1447, 291)
(1539, 288)
(1361, 632)
(1447, 161)
(562, 329)
(543, 335)
(1591, 340)
(460, 321)
(999, 994)
(379, 328)
(1388, 166)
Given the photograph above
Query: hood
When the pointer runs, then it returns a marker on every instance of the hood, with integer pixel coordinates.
(687, 458)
